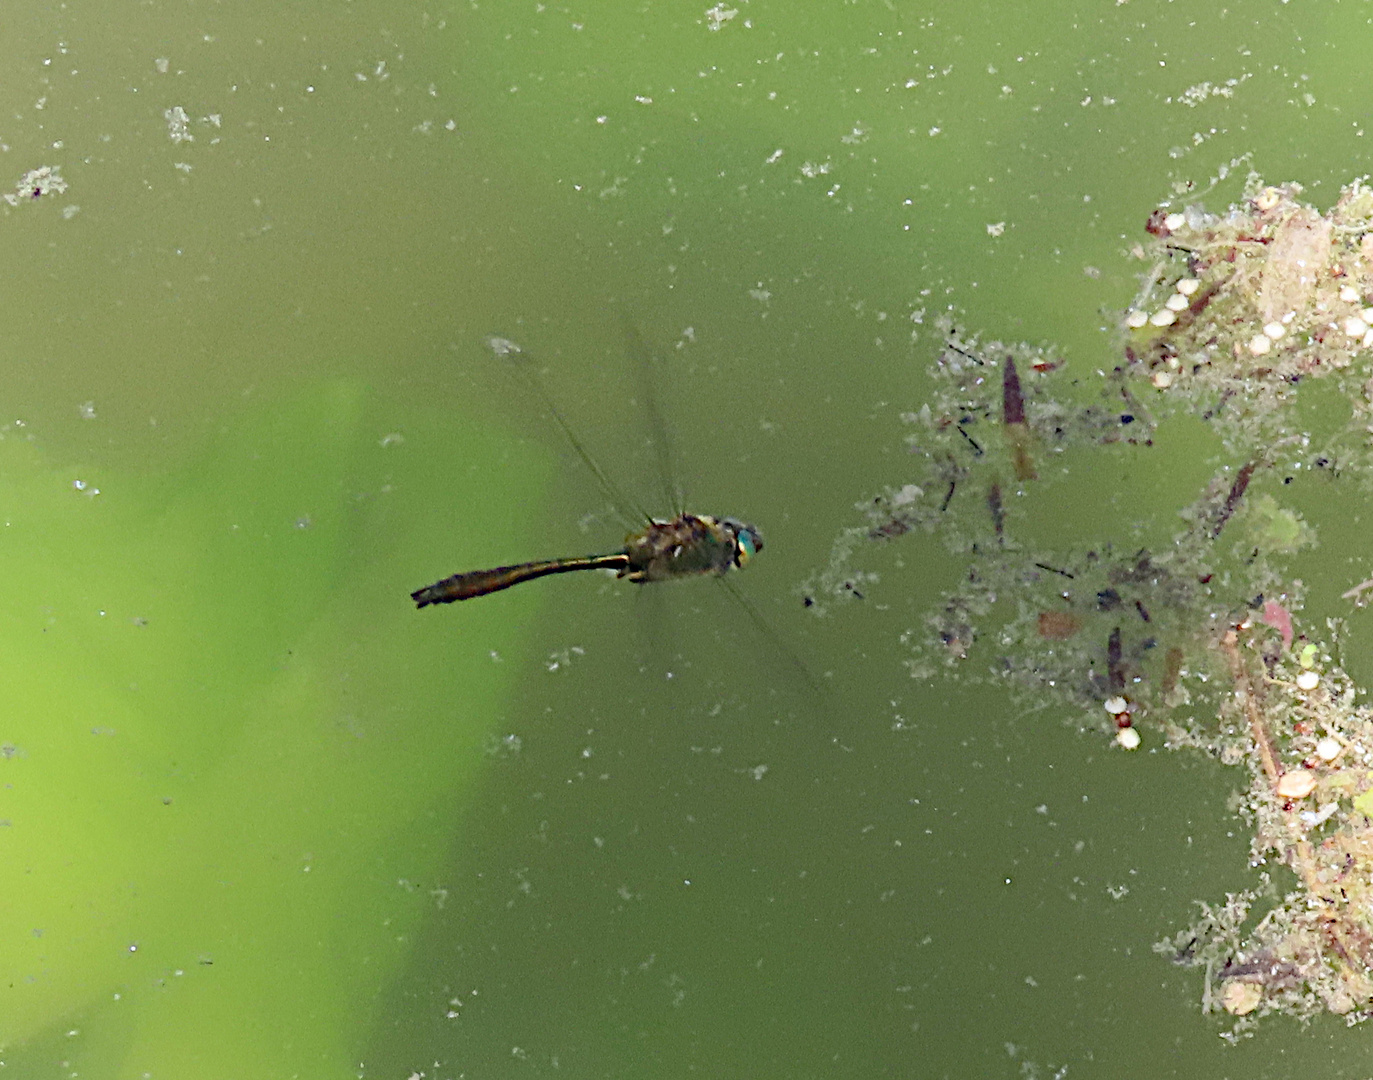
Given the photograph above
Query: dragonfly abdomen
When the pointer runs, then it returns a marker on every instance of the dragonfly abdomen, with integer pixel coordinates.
(480, 582)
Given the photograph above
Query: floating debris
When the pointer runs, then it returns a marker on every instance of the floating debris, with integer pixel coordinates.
(994, 407)
(178, 125)
(34, 184)
(1238, 308)
(1198, 638)
(1312, 951)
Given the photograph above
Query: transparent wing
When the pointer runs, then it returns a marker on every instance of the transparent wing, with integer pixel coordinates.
(504, 348)
(652, 375)
(783, 650)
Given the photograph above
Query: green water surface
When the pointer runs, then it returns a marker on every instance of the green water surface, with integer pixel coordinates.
(260, 818)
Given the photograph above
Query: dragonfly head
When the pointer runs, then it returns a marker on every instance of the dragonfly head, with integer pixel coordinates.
(748, 541)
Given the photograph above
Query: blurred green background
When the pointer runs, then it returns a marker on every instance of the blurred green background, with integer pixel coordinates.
(258, 817)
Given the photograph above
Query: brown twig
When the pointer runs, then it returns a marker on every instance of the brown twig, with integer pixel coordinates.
(1229, 645)
(1347, 940)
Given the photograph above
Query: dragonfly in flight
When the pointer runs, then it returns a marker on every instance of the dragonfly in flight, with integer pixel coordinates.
(688, 545)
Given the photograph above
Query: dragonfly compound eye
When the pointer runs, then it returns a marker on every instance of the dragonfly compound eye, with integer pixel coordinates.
(748, 541)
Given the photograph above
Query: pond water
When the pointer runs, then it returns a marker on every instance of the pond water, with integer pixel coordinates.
(258, 816)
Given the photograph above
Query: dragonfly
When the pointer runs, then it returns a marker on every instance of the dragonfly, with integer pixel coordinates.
(688, 545)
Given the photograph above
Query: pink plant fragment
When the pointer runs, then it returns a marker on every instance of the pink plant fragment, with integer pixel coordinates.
(1278, 617)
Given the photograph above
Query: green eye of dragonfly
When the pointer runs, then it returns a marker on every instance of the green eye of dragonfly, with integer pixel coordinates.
(747, 540)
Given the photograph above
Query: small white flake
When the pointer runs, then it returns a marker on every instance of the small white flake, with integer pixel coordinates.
(1195, 95)
(178, 125)
(717, 16)
(1311, 818)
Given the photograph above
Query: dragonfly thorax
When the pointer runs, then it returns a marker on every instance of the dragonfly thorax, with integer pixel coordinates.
(689, 545)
